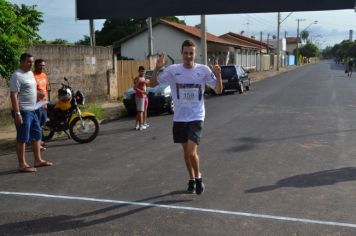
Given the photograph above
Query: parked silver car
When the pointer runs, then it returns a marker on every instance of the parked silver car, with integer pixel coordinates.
(159, 98)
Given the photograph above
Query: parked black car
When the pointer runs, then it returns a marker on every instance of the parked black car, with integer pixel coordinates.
(159, 98)
(235, 77)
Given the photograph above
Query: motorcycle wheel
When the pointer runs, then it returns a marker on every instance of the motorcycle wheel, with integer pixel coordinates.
(47, 134)
(84, 134)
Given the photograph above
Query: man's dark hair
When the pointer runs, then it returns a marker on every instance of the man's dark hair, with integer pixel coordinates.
(141, 68)
(38, 62)
(188, 43)
(24, 56)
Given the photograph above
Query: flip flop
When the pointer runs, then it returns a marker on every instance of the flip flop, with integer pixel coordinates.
(27, 169)
(44, 164)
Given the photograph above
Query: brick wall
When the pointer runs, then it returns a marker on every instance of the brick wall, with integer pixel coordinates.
(90, 71)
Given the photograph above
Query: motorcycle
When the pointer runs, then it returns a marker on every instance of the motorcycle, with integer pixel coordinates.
(65, 115)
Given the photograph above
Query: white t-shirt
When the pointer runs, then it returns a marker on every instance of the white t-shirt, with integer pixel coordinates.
(188, 86)
(25, 84)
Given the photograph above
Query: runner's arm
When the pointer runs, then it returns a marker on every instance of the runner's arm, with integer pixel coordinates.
(159, 65)
(217, 72)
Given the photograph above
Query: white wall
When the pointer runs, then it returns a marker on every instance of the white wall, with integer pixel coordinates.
(165, 38)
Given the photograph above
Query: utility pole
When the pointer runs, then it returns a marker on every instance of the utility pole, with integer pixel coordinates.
(261, 38)
(268, 43)
(298, 41)
(150, 37)
(278, 28)
(203, 40)
(92, 33)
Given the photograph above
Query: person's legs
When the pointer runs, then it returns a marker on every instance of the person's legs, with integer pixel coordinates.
(36, 147)
(42, 117)
(194, 135)
(23, 136)
(192, 154)
(20, 150)
(188, 134)
(145, 112)
(139, 116)
(187, 160)
(194, 160)
(35, 137)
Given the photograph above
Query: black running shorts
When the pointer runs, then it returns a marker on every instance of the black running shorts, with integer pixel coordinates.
(184, 131)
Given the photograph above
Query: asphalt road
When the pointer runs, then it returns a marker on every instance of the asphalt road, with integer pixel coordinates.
(277, 160)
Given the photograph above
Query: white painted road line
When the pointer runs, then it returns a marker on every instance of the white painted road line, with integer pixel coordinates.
(234, 213)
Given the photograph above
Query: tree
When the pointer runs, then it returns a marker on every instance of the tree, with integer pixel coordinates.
(327, 53)
(309, 50)
(18, 30)
(84, 41)
(59, 41)
(304, 35)
(344, 50)
(116, 29)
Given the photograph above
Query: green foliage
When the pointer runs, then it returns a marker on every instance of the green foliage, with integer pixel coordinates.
(96, 109)
(309, 50)
(18, 30)
(304, 35)
(84, 41)
(327, 53)
(60, 42)
(116, 29)
(344, 50)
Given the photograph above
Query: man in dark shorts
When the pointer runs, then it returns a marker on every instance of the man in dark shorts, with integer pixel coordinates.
(187, 81)
(23, 93)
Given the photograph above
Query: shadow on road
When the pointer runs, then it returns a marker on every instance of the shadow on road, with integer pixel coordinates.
(334, 66)
(321, 178)
(59, 223)
(249, 143)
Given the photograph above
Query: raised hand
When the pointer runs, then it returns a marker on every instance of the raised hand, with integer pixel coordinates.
(161, 61)
(216, 68)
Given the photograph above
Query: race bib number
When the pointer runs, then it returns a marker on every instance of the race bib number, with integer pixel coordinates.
(189, 95)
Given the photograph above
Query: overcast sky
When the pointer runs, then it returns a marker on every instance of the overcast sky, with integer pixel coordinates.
(332, 26)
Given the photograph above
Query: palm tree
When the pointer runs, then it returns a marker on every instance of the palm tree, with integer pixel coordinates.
(304, 35)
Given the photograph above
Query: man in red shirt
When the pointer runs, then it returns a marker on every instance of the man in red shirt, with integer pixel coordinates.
(42, 93)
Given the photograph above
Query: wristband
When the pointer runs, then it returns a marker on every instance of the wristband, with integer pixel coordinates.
(18, 113)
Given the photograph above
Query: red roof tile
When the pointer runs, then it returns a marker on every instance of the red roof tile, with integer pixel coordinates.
(196, 32)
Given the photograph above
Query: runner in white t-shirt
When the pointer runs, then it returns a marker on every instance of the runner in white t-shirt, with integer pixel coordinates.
(187, 82)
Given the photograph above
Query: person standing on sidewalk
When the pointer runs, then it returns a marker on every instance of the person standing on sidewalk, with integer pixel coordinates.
(42, 93)
(140, 84)
(350, 66)
(23, 94)
(187, 82)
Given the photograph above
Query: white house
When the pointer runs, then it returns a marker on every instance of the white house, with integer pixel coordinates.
(168, 38)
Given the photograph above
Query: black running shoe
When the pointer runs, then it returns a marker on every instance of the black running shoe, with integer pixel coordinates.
(199, 186)
(191, 186)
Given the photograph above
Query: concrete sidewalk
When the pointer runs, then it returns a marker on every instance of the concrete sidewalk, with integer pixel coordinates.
(116, 110)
